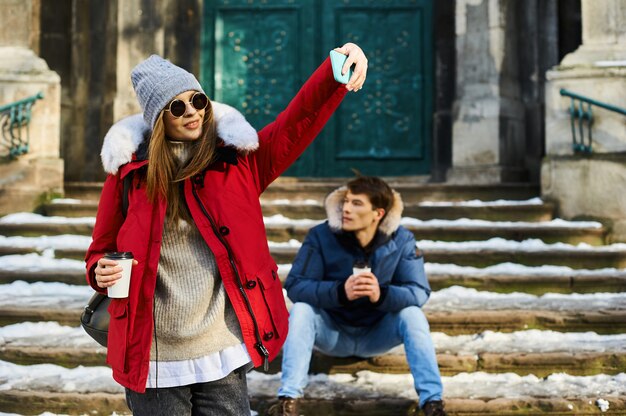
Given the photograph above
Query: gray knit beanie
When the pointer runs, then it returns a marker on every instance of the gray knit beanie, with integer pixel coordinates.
(156, 82)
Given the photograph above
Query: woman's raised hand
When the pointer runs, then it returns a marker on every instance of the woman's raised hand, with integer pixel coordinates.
(356, 57)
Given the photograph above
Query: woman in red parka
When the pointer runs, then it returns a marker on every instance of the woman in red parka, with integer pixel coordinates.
(205, 302)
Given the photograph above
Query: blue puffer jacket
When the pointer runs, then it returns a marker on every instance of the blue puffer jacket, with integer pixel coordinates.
(328, 254)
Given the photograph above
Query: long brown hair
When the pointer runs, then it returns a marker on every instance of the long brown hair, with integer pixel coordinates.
(165, 174)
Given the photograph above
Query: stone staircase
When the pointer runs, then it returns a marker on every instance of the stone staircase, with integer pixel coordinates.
(527, 314)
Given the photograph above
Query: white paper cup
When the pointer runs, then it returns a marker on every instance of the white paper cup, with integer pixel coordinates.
(359, 270)
(121, 286)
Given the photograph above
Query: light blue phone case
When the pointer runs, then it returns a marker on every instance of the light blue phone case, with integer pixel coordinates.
(337, 60)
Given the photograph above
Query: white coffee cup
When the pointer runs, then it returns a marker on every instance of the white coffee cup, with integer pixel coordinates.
(124, 259)
(358, 270)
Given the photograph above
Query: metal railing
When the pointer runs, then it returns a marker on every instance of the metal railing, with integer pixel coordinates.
(577, 112)
(14, 120)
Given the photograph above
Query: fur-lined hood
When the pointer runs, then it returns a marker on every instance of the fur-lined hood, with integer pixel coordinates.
(334, 208)
(125, 136)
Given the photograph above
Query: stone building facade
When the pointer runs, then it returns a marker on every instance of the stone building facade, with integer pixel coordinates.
(496, 115)
(32, 176)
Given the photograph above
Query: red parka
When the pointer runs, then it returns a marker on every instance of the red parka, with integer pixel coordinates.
(224, 204)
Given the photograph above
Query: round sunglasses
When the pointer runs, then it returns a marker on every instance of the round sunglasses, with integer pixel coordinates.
(178, 108)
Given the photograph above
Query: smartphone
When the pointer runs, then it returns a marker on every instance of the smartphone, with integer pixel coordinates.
(337, 60)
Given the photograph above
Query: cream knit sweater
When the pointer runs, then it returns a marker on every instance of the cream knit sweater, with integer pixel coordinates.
(193, 316)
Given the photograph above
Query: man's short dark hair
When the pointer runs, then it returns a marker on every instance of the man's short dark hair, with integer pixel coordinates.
(377, 190)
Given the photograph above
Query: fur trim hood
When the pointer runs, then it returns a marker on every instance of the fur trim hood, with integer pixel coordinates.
(124, 137)
(334, 207)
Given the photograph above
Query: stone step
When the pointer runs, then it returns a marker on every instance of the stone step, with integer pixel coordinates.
(37, 402)
(281, 230)
(285, 231)
(338, 399)
(609, 321)
(527, 280)
(354, 406)
(465, 232)
(576, 258)
(412, 189)
(312, 209)
(522, 363)
(84, 228)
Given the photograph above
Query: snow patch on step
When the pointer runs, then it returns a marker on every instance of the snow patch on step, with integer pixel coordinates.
(365, 384)
(530, 341)
(290, 202)
(55, 242)
(278, 220)
(20, 294)
(514, 269)
(501, 244)
(54, 335)
(371, 385)
(66, 201)
(34, 262)
(46, 334)
(457, 298)
(472, 223)
(30, 218)
(57, 379)
(480, 203)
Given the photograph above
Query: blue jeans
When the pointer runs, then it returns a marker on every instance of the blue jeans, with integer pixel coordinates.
(309, 326)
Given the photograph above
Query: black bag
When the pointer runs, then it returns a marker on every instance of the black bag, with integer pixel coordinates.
(95, 318)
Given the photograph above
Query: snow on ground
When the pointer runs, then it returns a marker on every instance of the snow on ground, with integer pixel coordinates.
(462, 222)
(529, 341)
(34, 262)
(290, 202)
(46, 334)
(30, 218)
(279, 219)
(479, 203)
(365, 384)
(54, 378)
(66, 201)
(78, 242)
(55, 242)
(514, 269)
(20, 294)
(293, 243)
(469, 203)
(54, 335)
(455, 298)
(501, 244)
(472, 223)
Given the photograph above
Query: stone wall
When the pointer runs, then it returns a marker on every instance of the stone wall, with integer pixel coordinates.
(25, 180)
(590, 185)
(105, 40)
(502, 47)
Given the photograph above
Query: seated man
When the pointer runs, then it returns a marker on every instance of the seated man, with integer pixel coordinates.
(343, 311)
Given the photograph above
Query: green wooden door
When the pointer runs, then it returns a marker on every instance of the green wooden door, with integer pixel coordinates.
(257, 54)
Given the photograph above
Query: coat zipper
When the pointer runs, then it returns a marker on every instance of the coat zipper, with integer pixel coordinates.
(259, 344)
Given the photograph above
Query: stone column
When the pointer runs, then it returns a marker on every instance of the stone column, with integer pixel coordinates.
(140, 33)
(589, 185)
(488, 128)
(23, 74)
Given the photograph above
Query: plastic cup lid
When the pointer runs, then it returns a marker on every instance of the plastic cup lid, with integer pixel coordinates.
(119, 255)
